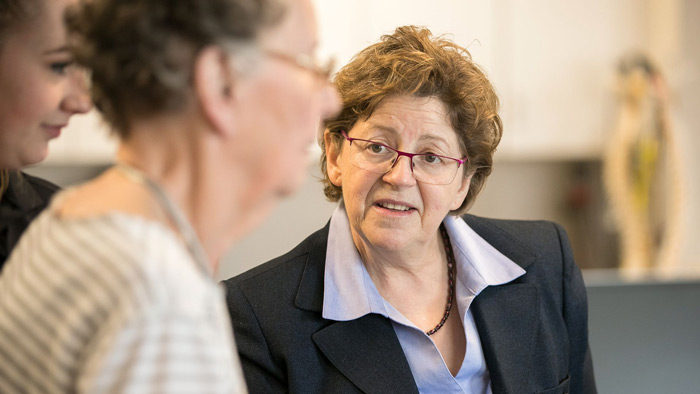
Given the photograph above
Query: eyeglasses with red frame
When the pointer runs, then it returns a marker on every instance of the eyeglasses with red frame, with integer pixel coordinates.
(380, 158)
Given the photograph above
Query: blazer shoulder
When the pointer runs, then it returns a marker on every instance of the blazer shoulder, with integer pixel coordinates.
(510, 226)
(524, 241)
(527, 233)
(294, 260)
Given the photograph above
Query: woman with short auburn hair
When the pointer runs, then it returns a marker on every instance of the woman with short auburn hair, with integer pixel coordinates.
(414, 63)
(398, 293)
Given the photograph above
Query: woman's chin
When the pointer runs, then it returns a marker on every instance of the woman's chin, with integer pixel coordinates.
(23, 161)
(388, 240)
(35, 157)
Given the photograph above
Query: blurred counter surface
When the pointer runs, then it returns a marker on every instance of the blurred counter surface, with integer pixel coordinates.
(650, 276)
(644, 330)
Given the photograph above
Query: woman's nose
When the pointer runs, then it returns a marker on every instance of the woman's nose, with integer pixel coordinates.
(77, 99)
(401, 173)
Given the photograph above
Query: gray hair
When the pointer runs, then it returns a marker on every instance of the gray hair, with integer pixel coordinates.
(141, 52)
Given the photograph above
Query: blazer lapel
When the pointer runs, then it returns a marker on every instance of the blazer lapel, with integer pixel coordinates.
(369, 354)
(366, 350)
(506, 317)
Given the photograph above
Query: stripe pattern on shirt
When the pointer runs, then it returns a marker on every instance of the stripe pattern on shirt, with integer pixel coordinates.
(112, 304)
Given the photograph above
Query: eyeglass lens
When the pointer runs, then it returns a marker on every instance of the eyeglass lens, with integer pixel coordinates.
(379, 158)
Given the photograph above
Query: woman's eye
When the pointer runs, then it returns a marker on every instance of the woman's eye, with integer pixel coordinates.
(376, 148)
(60, 67)
(432, 159)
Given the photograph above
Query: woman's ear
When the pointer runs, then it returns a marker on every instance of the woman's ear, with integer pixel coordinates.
(332, 156)
(462, 192)
(213, 85)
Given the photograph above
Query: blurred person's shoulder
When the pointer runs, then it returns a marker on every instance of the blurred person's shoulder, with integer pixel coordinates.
(139, 259)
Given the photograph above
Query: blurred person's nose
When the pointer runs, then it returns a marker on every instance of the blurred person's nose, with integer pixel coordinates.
(77, 99)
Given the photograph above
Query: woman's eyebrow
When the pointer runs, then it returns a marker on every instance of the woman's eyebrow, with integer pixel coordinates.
(53, 51)
(426, 137)
(433, 138)
(382, 127)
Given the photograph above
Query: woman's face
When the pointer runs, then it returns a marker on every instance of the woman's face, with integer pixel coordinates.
(393, 211)
(281, 106)
(40, 89)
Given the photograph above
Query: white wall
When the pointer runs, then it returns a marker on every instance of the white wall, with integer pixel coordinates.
(553, 64)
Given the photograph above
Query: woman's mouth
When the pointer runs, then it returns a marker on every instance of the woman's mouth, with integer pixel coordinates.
(53, 131)
(394, 207)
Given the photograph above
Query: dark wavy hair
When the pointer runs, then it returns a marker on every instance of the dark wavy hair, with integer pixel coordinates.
(414, 63)
(140, 52)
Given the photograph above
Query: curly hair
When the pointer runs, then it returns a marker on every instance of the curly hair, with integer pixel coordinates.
(412, 62)
(141, 52)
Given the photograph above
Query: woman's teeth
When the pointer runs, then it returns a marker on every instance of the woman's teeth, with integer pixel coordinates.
(395, 207)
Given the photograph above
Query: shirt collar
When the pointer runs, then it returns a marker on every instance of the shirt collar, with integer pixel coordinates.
(345, 289)
(479, 264)
(349, 292)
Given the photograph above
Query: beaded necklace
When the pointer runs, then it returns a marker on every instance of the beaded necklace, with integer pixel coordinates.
(451, 266)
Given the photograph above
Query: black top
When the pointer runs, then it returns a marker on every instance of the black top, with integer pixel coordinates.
(23, 200)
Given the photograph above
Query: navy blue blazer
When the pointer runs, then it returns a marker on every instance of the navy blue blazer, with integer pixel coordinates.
(533, 330)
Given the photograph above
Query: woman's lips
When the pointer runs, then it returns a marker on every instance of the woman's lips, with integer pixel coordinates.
(53, 131)
(394, 208)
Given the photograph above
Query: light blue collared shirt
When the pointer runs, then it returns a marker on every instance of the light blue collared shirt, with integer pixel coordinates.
(349, 294)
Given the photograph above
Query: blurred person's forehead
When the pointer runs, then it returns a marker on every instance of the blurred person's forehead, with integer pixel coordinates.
(296, 32)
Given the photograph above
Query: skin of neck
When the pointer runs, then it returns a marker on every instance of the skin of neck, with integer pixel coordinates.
(415, 276)
(191, 165)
